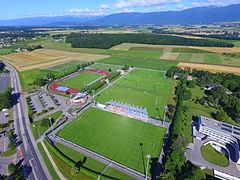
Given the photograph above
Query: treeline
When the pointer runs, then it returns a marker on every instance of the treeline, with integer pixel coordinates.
(34, 47)
(175, 165)
(6, 99)
(106, 41)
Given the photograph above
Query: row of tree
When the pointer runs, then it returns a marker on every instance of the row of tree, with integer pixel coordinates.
(106, 41)
(6, 99)
(175, 165)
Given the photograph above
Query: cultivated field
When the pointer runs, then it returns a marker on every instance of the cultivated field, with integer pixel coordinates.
(122, 139)
(211, 68)
(81, 80)
(143, 88)
(44, 58)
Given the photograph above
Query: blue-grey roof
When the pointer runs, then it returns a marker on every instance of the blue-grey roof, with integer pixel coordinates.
(132, 108)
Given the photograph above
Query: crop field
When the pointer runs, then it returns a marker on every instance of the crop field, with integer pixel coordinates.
(137, 54)
(81, 80)
(143, 88)
(122, 139)
(44, 58)
(156, 64)
(211, 68)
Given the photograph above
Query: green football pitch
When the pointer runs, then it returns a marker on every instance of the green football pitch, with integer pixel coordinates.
(122, 139)
(141, 88)
(81, 80)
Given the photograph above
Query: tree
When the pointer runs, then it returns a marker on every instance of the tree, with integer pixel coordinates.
(221, 116)
(11, 168)
(191, 84)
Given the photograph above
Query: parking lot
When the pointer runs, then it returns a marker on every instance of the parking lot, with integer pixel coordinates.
(5, 81)
(41, 101)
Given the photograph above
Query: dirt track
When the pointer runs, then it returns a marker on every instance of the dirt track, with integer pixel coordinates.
(211, 68)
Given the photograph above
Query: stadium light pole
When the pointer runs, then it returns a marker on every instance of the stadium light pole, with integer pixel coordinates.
(148, 157)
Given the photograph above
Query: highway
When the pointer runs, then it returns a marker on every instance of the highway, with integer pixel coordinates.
(32, 160)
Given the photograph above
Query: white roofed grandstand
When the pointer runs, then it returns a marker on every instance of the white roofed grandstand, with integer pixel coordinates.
(129, 110)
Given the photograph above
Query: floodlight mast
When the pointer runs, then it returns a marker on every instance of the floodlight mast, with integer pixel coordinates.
(148, 157)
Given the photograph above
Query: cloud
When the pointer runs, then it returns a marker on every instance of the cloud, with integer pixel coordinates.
(214, 2)
(142, 3)
(85, 11)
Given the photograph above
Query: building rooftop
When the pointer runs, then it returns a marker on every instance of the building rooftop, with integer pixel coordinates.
(221, 126)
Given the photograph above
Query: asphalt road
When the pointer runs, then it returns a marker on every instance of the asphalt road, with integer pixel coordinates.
(33, 163)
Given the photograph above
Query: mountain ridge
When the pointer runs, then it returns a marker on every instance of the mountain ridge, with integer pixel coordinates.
(196, 15)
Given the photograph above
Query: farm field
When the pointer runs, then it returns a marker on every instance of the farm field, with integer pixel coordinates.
(120, 138)
(156, 64)
(44, 58)
(211, 68)
(143, 88)
(81, 80)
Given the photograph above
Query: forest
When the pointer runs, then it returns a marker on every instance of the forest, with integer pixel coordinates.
(106, 41)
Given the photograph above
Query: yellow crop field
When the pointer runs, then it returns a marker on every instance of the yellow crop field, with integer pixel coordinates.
(44, 58)
(211, 68)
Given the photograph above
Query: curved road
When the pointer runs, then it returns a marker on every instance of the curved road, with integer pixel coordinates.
(33, 162)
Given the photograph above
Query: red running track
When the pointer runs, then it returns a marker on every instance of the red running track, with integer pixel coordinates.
(54, 85)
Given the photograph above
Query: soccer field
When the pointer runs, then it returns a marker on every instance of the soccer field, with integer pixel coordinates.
(143, 88)
(81, 80)
(122, 139)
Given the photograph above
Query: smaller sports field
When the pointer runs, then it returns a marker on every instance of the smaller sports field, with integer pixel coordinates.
(81, 80)
(122, 139)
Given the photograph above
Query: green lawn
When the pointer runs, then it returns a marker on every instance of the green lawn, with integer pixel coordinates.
(38, 128)
(105, 67)
(28, 77)
(143, 88)
(140, 62)
(188, 50)
(184, 57)
(47, 162)
(91, 163)
(6, 51)
(117, 137)
(212, 59)
(214, 157)
(63, 166)
(146, 49)
(139, 54)
(81, 80)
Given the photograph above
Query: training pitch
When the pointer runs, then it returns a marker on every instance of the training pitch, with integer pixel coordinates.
(122, 139)
(81, 80)
(143, 88)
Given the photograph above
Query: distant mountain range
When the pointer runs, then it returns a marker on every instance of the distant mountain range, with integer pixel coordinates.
(198, 15)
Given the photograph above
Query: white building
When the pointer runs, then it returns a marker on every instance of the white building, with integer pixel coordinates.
(222, 134)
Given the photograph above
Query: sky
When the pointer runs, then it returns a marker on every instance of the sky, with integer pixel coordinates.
(11, 9)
